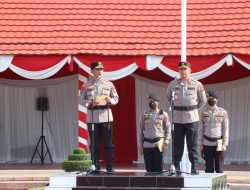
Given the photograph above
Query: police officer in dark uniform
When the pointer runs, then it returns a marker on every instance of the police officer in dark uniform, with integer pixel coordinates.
(187, 95)
(213, 134)
(155, 135)
(97, 95)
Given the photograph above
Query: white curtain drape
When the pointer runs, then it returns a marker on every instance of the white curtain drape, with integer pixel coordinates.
(21, 122)
(234, 97)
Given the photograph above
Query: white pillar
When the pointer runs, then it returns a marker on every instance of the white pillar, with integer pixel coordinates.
(185, 163)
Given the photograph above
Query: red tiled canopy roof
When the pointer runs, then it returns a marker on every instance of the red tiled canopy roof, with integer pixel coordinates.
(123, 27)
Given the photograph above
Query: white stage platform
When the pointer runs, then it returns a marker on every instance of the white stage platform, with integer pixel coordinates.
(138, 181)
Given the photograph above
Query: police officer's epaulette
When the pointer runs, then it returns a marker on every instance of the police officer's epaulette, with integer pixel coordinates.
(161, 111)
(146, 115)
(204, 109)
(220, 108)
(192, 83)
(193, 80)
(105, 81)
(205, 114)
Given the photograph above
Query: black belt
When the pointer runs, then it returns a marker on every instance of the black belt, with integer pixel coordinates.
(152, 140)
(185, 108)
(99, 107)
(214, 139)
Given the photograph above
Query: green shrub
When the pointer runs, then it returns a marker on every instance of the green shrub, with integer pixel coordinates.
(78, 161)
(73, 165)
(79, 151)
(79, 157)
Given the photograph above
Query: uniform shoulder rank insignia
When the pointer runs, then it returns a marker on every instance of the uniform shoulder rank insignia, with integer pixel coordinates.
(90, 83)
(105, 82)
(220, 113)
(193, 81)
(205, 115)
(90, 87)
(161, 111)
(146, 114)
(205, 109)
(221, 109)
(225, 115)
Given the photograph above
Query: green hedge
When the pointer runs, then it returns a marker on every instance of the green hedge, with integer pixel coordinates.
(72, 166)
(79, 151)
(78, 161)
(79, 157)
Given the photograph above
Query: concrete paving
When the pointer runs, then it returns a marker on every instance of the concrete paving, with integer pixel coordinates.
(27, 176)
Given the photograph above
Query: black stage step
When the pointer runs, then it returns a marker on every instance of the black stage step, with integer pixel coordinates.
(124, 188)
(131, 180)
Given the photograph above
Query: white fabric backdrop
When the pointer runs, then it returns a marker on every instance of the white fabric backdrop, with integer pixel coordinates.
(20, 122)
(234, 97)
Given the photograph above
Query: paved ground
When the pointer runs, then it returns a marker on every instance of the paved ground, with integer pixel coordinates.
(239, 186)
(238, 176)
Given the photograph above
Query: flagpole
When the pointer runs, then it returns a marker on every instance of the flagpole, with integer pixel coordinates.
(183, 30)
(185, 163)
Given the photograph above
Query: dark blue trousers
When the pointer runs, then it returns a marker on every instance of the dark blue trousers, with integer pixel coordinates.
(153, 159)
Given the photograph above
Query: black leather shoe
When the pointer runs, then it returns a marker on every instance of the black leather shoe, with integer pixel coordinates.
(93, 172)
(96, 172)
(110, 172)
(177, 169)
(194, 171)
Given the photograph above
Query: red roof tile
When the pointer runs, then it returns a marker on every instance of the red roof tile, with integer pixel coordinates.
(124, 27)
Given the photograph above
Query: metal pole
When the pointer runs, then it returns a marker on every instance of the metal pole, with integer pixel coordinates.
(183, 30)
(185, 163)
(42, 157)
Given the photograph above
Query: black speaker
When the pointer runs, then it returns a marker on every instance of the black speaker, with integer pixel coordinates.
(42, 104)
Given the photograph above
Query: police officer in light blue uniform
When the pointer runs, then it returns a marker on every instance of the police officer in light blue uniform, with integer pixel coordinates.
(214, 127)
(155, 135)
(97, 95)
(188, 95)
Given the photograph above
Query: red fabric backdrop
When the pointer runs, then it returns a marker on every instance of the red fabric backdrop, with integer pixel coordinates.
(125, 122)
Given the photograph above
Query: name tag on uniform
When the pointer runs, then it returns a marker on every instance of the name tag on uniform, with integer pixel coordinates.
(105, 90)
(146, 121)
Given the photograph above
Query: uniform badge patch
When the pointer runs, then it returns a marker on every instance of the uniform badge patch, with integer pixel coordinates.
(158, 125)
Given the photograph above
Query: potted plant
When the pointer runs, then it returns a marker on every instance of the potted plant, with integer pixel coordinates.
(78, 161)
